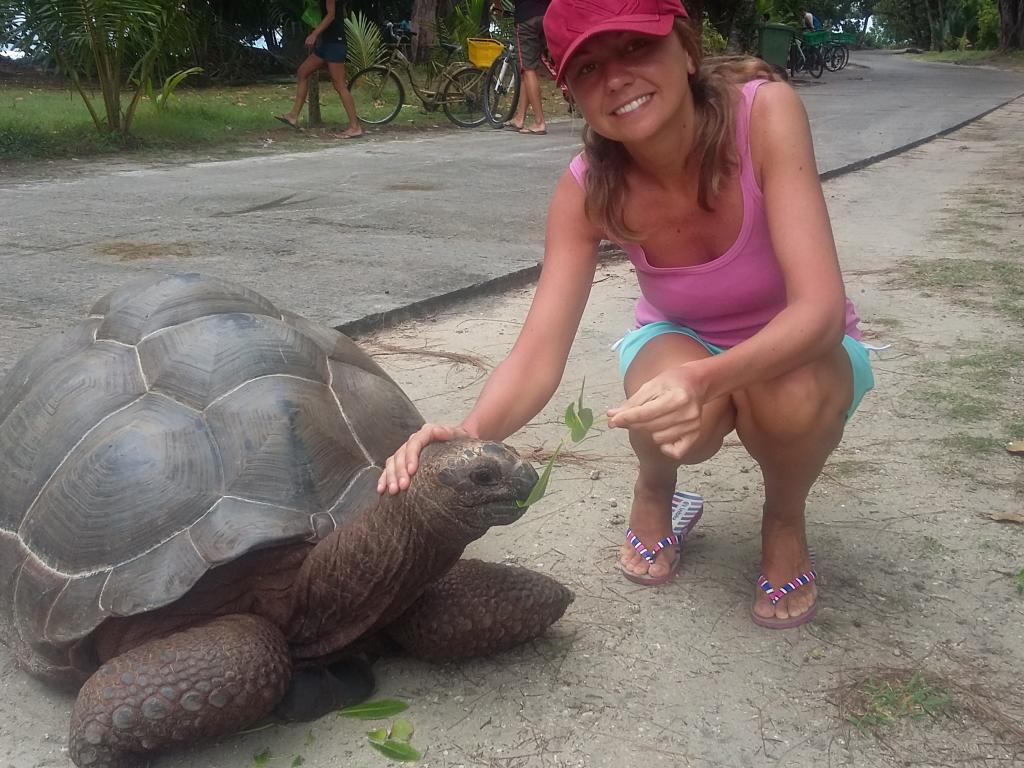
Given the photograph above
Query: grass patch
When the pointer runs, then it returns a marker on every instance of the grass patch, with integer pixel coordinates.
(932, 546)
(971, 445)
(1000, 281)
(892, 323)
(844, 469)
(880, 701)
(1019, 581)
(48, 122)
(959, 405)
(1006, 60)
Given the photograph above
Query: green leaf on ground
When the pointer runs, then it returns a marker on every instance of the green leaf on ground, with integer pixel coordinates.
(402, 731)
(374, 710)
(542, 484)
(262, 757)
(378, 735)
(397, 750)
(298, 761)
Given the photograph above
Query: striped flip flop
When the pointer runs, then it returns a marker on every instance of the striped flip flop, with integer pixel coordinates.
(777, 593)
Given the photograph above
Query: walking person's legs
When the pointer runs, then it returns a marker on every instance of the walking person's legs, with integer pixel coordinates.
(306, 70)
(354, 129)
(529, 44)
(531, 89)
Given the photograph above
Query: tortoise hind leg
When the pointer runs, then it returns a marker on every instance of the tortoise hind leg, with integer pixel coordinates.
(479, 608)
(202, 682)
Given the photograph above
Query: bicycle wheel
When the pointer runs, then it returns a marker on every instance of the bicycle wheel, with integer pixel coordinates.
(815, 61)
(462, 97)
(794, 61)
(501, 90)
(378, 94)
(833, 58)
(844, 52)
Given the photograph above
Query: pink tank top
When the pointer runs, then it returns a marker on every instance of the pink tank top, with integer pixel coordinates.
(732, 297)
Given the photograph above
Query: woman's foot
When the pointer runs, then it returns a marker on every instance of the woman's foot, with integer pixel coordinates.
(291, 120)
(535, 129)
(784, 556)
(650, 521)
(351, 133)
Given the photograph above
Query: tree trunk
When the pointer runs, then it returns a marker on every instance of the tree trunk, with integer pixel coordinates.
(424, 25)
(745, 12)
(1011, 24)
(313, 100)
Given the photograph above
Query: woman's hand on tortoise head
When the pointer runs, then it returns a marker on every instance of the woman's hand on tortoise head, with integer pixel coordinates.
(402, 465)
(668, 408)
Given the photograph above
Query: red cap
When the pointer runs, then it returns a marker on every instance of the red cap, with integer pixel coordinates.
(570, 23)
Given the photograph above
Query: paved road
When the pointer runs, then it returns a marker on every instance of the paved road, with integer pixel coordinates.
(380, 224)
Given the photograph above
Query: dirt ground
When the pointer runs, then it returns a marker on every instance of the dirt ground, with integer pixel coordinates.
(921, 606)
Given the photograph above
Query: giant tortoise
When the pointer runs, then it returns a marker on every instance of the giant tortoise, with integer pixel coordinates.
(188, 514)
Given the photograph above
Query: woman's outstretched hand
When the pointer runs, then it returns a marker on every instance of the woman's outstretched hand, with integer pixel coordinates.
(402, 465)
(668, 407)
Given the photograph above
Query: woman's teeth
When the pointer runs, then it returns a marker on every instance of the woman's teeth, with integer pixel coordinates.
(634, 104)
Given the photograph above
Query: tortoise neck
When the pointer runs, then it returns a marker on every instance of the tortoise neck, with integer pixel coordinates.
(365, 574)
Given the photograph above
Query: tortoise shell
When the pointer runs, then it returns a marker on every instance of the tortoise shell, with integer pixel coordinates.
(186, 422)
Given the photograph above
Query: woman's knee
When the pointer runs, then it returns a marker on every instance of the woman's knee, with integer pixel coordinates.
(717, 421)
(811, 399)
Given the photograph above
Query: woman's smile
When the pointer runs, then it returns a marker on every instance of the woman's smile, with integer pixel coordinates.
(633, 105)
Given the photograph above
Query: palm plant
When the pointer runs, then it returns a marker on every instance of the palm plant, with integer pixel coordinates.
(363, 41)
(116, 43)
(464, 21)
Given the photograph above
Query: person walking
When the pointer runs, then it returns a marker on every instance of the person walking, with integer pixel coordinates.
(327, 42)
(529, 25)
(706, 176)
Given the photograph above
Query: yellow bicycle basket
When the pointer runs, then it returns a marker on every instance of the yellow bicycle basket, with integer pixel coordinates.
(483, 51)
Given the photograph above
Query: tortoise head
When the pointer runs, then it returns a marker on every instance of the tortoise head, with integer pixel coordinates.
(472, 483)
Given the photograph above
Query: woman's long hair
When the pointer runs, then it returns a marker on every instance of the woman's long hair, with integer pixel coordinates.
(714, 150)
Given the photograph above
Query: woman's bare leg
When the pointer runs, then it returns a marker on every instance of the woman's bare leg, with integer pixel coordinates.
(651, 514)
(306, 70)
(790, 425)
(354, 129)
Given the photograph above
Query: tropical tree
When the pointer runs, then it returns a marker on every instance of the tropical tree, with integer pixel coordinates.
(1011, 24)
(116, 44)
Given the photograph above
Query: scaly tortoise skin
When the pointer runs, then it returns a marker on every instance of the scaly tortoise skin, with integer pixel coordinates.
(188, 513)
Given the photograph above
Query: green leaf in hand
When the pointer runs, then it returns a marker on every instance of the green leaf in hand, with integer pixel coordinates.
(578, 419)
(542, 482)
(374, 710)
(397, 750)
(402, 730)
(575, 424)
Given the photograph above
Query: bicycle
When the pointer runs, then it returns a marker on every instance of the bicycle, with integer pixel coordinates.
(455, 86)
(805, 57)
(503, 81)
(837, 55)
(501, 86)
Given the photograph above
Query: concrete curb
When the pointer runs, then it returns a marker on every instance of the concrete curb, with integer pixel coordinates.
(607, 251)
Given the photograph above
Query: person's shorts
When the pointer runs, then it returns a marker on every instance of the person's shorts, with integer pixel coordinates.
(633, 342)
(332, 51)
(530, 42)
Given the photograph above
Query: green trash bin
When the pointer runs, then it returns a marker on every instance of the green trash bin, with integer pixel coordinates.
(773, 43)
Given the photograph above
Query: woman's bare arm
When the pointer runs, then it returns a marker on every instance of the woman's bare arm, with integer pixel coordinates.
(524, 382)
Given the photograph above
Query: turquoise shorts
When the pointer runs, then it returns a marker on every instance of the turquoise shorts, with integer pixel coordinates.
(632, 342)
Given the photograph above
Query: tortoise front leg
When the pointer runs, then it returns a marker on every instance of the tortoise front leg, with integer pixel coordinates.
(202, 682)
(479, 608)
